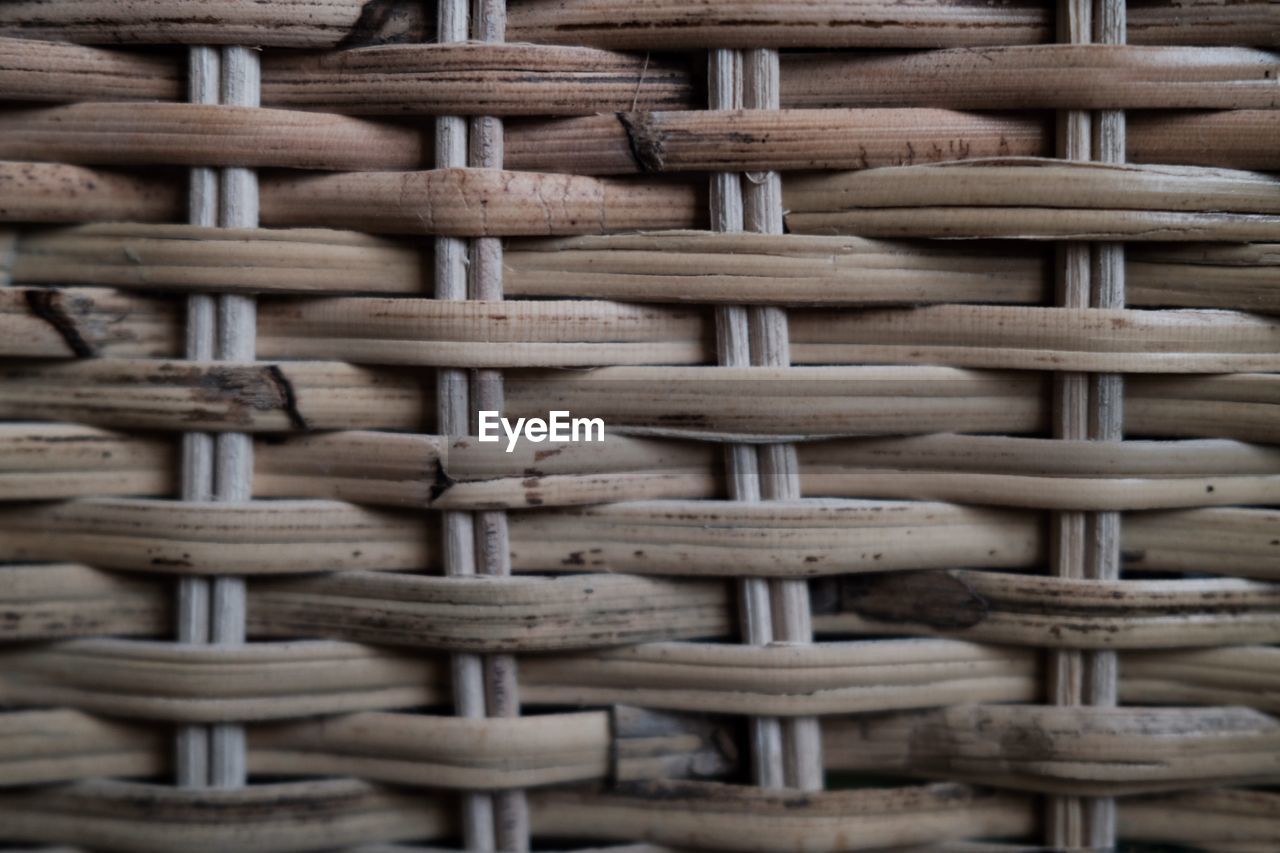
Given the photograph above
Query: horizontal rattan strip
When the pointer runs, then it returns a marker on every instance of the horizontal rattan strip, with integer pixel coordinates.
(794, 269)
(412, 749)
(153, 680)
(478, 202)
(464, 473)
(1089, 201)
(1059, 613)
(673, 142)
(43, 71)
(150, 134)
(668, 267)
(1108, 341)
(877, 675)
(268, 537)
(166, 258)
(1243, 542)
(1247, 676)
(1235, 405)
(529, 614)
(475, 79)
(753, 819)
(695, 141)
(1045, 199)
(824, 678)
(577, 611)
(977, 469)
(1224, 819)
(49, 461)
(866, 23)
(623, 745)
(1058, 76)
(1124, 751)
(712, 403)
(266, 680)
(268, 818)
(145, 134)
(39, 747)
(1069, 751)
(43, 461)
(391, 469)
(660, 537)
(538, 80)
(41, 323)
(271, 818)
(462, 202)
(68, 600)
(267, 23)
(249, 397)
(1237, 139)
(697, 538)
(663, 25)
(505, 334)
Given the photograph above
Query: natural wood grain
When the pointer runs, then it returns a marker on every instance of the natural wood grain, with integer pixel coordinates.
(1057, 750)
(287, 23)
(1058, 76)
(474, 79)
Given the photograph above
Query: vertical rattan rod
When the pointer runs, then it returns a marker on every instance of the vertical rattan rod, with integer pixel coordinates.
(233, 455)
(453, 390)
(1106, 420)
(204, 86)
(511, 811)
(1085, 545)
(770, 343)
(218, 468)
(1065, 823)
(733, 346)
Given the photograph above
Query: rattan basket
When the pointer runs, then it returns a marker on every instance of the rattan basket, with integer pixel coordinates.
(934, 350)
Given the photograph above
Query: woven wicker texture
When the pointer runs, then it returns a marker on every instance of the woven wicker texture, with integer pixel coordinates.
(937, 347)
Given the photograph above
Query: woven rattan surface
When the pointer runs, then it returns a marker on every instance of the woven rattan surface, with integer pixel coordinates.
(936, 345)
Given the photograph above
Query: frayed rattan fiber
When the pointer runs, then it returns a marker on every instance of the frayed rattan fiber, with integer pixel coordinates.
(936, 348)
